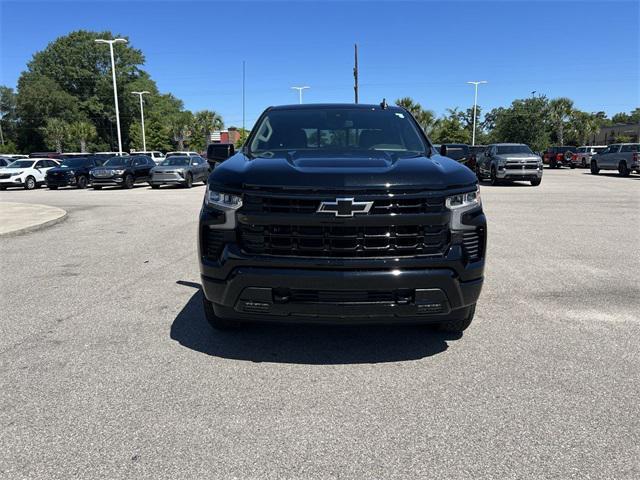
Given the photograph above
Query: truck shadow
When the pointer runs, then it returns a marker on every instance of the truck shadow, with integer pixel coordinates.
(305, 344)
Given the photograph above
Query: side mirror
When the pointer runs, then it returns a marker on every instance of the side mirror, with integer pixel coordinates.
(219, 152)
(443, 150)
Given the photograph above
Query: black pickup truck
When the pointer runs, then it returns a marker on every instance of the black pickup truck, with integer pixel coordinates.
(341, 213)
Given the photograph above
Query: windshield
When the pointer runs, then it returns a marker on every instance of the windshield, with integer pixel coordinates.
(118, 161)
(21, 164)
(74, 162)
(175, 161)
(507, 149)
(337, 129)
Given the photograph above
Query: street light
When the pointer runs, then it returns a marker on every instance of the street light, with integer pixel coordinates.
(300, 89)
(144, 140)
(115, 88)
(475, 103)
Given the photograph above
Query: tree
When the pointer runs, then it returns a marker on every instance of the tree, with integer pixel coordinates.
(82, 132)
(582, 126)
(425, 118)
(56, 133)
(560, 110)
(204, 122)
(180, 128)
(522, 122)
(450, 129)
(7, 115)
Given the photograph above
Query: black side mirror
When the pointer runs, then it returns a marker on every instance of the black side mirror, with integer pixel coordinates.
(443, 150)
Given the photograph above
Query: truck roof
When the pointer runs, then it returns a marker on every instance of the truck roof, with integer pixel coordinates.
(312, 106)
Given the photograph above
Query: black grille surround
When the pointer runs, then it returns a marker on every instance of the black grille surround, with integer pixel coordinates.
(396, 226)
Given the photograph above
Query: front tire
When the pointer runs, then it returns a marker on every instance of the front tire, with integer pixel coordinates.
(188, 181)
(458, 325)
(594, 168)
(216, 322)
(553, 164)
(623, 170)
(584, 163)
(535, 182)
(494, 177)
(82, 182)
(128, 182)
(30, 183)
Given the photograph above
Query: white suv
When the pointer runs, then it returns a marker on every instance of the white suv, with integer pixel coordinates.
(155, 155)
(28, 174)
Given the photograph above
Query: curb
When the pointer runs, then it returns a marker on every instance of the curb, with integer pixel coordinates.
(33, 228)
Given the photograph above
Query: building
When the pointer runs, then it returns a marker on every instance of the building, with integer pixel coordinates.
(608, 135)
(232, 135)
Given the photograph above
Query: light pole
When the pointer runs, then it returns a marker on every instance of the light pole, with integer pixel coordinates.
(115, 88)
(144, 140)
(300, 89)
(475, 103)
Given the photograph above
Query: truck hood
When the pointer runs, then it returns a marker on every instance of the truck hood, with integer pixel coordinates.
(343, 170)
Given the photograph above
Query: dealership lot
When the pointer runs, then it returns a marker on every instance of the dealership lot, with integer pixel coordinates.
(109, 370)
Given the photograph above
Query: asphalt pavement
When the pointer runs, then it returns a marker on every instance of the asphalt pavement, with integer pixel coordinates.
(108, 369)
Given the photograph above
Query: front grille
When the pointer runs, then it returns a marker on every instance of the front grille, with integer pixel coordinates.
(349, 296)
(472, 242)
(213, 242)
(522, 166)
(5, 175)
(344, 241)
(385, 206)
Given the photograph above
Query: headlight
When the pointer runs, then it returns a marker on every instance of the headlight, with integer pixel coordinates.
(220, 199)
(71, 172)
(461, 203)
(118, 172)
(16, 173)
(462, 200)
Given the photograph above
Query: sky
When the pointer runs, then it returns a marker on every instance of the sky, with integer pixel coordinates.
(428, 50)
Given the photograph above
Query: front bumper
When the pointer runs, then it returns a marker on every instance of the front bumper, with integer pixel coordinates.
(420, 289)
(504, 173)
(60, 181)
(12, 182)
(167, 178)
(107, 181)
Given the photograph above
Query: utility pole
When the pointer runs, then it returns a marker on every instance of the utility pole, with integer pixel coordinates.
(243, 101)
(300, 89)
(144, 139)
(355, 72)
(475, 105)
(115, 87)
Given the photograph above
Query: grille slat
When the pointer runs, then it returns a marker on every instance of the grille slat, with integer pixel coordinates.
(472, 242)
(214, 242)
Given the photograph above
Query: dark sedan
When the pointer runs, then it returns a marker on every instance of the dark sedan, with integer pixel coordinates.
(72, 172)
(123, 172)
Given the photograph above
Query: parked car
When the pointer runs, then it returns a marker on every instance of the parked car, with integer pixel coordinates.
(182, 154)
(7, 158)
(582, 155)
(457, 151)
(122, 171)
(619, 156)
(372, 226)
(508, 162)
(27, 173)
(557, 157)
(155, 155)
(180, 170)
(73, 172)
(219, 152)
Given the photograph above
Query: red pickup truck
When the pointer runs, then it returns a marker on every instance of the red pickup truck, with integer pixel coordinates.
(557, 157)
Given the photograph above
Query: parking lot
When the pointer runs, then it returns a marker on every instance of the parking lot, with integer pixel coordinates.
(109, 369)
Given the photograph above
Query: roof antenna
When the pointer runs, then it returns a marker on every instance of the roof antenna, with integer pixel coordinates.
(383, 104)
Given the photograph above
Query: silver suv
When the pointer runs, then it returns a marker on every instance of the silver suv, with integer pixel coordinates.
(619, 156)
(508, 162)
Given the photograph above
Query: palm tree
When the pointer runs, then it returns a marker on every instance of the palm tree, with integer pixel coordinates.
(560, 110)
(205, 122)
(56, 132)
(82, 132)
(425, 118)
(583, 126)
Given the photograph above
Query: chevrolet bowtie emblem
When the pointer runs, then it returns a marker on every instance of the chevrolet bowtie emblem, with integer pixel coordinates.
(345, 207)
